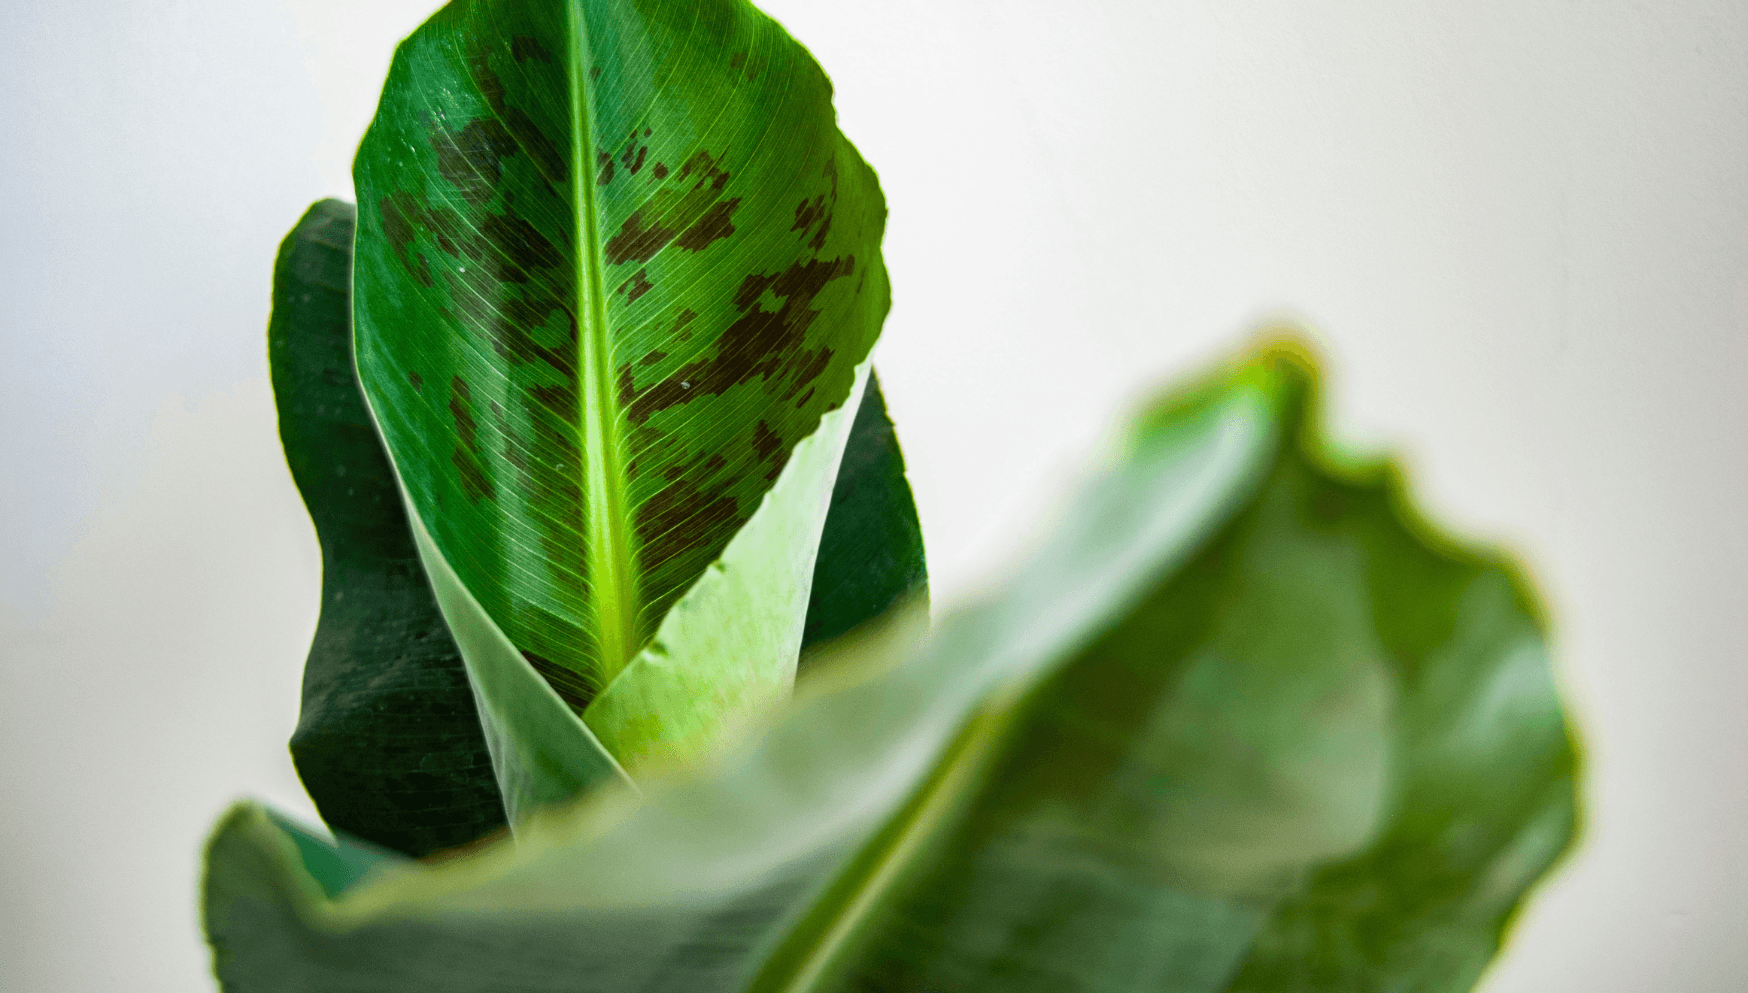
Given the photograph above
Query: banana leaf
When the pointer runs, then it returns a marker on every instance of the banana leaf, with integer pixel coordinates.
(1245, 723)
(617, 276)
(388, 741)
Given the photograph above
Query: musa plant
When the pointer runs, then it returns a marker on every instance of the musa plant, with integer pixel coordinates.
(623, 680)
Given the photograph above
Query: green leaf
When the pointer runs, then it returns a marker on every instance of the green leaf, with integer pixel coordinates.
(389, 742)
(1244, 723)
(871, 551)
(1325, 753)
(614, 264)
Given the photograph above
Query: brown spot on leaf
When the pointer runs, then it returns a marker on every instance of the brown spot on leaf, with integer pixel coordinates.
(686, 316)
(633, 158)
(652, 358)
(461, 411)
(524, 47)
(809, 213)
(552, 164)
(605, 175)
(672, 210)
(660, 171)
(465, 458)
(760, 344)
(471, 160)
(627, 386)
(680, 517)
(399, 215)
(771, 449)
(417, 380)
(713, 226)
(595, 73)
(472, 475)
(508, 248)
(637, 239)
(637, 285)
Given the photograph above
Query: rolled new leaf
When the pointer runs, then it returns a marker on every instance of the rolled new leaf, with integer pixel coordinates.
(1244, 723)
(388, 741)
(614, 263)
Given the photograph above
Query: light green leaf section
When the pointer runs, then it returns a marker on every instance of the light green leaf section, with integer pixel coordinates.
(726, 652)
(1243, 723)
(542, 753)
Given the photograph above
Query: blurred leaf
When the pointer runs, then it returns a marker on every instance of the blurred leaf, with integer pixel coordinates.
(615, 267)
(388, 741)
(1244, 723)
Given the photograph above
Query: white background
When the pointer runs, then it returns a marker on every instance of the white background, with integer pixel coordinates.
(1519, 232)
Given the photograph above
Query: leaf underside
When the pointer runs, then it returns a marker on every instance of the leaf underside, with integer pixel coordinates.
(388, 741)
(614, 262)
(1244, 723)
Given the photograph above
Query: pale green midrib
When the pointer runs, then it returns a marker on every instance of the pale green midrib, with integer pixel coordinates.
(611, 574)
(917, 822)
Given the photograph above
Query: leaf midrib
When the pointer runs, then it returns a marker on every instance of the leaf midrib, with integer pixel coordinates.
(611, 572)
(811, 951)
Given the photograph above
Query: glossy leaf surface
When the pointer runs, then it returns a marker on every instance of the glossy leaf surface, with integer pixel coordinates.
(1244, 723)
(389, 742)
(614, 263)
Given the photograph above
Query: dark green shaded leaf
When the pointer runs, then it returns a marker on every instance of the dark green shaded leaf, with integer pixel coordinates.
(1243, 724)
(871, 551)
(388, 742)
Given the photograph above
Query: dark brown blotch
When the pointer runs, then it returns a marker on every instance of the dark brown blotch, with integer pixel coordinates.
(516, 247)
(466, 456)
(771, 449)
(636, 286)
(682, 516)
(461, 411)
(637, 239)
(524, 47)
(471, 160)
(400, 215)
(713, 226)
(760, 344)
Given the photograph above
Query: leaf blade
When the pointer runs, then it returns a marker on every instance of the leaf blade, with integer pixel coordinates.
(505, 215)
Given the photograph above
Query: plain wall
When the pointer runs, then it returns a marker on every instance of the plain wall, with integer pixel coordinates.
(1518, 232)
